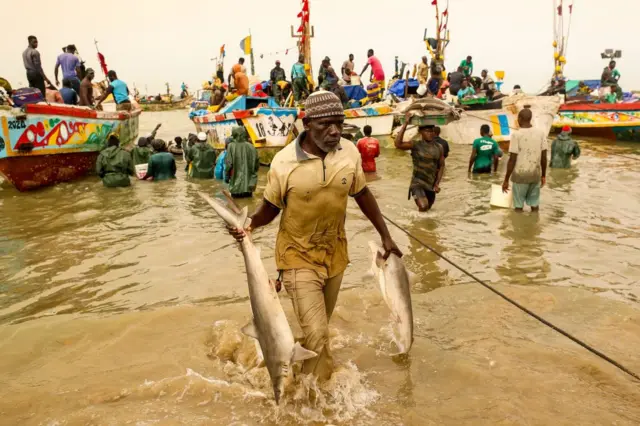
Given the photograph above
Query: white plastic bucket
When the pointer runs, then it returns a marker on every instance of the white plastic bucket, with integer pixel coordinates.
(500, 199)
(422, 89)
(141, 170)
(355, 80)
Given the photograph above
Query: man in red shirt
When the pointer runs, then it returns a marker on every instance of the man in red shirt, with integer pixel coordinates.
(377, 73)
(369, 149)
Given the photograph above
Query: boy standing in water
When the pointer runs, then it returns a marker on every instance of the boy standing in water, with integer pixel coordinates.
(527, 163)
(369, 150)
(428, 164)
(485, 152)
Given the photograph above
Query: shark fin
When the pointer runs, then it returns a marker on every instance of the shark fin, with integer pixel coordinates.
(380, 260)
(250, 329)
(300, 353)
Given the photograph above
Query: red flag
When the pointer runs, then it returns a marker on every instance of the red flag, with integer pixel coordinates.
(559, 10)
(306, 18)
(570, 9)
(103, 64)
(300, 15)
(446, 12)
(305, 7)
(301, 28)
(434, 3)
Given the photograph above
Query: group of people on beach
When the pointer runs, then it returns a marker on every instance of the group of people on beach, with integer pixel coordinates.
(237, 165)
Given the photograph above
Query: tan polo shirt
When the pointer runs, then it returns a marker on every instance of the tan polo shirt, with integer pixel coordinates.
(312, 194)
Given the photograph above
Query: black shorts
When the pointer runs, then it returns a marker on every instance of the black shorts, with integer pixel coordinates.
(36, 80)
(424, 193)
(483, 170)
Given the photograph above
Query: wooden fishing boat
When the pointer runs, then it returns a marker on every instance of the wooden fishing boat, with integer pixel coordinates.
(589, 115)
(270, 127)
(44, 144)
(155, 106)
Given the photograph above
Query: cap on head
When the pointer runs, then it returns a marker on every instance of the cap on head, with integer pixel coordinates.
(202, 136)
(566, 129)
(277, 62)
(323, 104)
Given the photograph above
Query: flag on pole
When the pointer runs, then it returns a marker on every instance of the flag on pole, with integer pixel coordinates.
(570, 8)
(245, 45)
(446, 12)
(434, 3)
(103, 64)
(222, 52)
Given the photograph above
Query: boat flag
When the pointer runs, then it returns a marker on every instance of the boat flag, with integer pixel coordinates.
(571, 8)
(103, 64)
(245, 45)
(305, 6)
(446, 12)
(222, 52)
(434, 3)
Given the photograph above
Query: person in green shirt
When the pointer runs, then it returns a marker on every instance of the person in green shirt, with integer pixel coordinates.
(162, 165)
(201, 158)
(610, 78)
(467, 66)
(241, 165)
(114, 165)
(485, 152)
(563, 149)
(142, 152)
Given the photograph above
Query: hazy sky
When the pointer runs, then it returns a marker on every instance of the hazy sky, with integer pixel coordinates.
(150, 42)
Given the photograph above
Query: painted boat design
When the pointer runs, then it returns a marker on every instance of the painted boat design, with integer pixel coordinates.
(609, 121)
(44, 144)
(270, 127)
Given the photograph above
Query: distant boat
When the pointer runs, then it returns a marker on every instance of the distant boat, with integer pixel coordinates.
(45, 144)
(155, 106)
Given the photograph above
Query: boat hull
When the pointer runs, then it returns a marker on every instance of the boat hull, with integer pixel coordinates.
(379, 117)
(619, 122)
(270, 129)
(502, 121)
(49, 144)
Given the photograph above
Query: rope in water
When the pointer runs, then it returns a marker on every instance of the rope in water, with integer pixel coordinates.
(516, 304)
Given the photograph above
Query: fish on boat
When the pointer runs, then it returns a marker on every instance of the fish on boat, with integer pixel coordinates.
(269, 325)
(395, 286)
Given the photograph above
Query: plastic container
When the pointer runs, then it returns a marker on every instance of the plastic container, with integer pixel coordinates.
(141, 170)
(500, 199)
(355, 80)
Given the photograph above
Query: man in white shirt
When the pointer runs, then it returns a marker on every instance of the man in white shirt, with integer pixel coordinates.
(527, 166)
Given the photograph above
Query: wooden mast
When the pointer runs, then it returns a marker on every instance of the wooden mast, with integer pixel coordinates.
(304, 37)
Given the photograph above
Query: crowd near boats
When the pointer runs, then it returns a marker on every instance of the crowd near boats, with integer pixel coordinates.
(50, 135)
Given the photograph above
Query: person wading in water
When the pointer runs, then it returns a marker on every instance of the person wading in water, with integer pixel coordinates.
(310, 181)
(428, 164)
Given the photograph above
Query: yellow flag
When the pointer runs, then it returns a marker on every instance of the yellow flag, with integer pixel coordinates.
(245, 45)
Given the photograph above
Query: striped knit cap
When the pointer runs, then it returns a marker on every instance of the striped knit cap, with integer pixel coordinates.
(323, 104)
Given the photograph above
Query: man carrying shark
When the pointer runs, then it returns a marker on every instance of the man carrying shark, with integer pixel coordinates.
(310, 181)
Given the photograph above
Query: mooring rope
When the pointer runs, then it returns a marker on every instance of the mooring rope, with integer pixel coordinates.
(517, 305)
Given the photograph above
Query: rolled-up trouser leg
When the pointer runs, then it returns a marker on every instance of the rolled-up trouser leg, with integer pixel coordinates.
(314, 299)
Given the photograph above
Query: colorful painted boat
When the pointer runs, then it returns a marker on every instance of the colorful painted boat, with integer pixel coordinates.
(45, 144)
(588, 116)
(503, 121)
(379, 116)
(270, 127)
(156, 106)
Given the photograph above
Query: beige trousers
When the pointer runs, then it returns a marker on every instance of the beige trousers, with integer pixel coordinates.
(314, 298)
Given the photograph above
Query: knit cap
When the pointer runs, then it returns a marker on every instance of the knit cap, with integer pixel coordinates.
(323, 104)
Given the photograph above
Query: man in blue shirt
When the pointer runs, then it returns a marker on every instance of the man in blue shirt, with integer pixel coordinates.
(120, 93)
(70, 67)
(69, 95)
